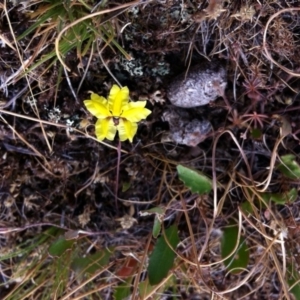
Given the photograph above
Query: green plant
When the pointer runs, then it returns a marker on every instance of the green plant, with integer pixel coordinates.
(163, 255)
(234, 250)
(52, 17)
(194, 180)
(53, 263)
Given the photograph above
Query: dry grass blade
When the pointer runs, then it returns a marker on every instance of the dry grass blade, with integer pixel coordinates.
(266, 50)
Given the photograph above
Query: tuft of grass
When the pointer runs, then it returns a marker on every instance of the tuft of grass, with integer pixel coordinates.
(86, 25)
(50, 265)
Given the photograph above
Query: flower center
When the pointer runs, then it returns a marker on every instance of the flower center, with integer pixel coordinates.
(116, 121)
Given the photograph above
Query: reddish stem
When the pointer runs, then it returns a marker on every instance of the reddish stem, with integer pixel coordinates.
(117, 177)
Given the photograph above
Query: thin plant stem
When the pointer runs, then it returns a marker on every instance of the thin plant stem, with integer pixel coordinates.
(117, 177)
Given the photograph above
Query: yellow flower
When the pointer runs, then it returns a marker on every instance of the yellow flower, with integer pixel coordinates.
(116, 114)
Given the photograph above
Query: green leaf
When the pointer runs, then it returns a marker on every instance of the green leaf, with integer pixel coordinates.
(289, 167)
(240, 258)
(60, 246)
(159, 213)
(293, 277)
(156, 227)
(195, 180)
(126, 186)
(247, 208)
(292, 195)
(146, 289)
(162, 257)
(256, 133)
(154, 210)
(281, 198)
(91, 263)
(123, 290)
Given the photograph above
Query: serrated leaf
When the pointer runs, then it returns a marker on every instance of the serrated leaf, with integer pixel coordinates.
(60, 246)
(162, 257)
(194, 180)
(289, 167)
(240, 258)
(91, 263)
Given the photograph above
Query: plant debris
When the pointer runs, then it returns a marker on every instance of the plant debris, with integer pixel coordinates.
(57, 177)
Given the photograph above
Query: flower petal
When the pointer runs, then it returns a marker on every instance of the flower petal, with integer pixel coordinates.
(127, 130)
(105, 128)
(136, 111)
(117, 99)
(97, 98)
(136, 104)
(97, 106)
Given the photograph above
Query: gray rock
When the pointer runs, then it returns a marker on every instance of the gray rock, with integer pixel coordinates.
(184, 129)
(204, 83)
